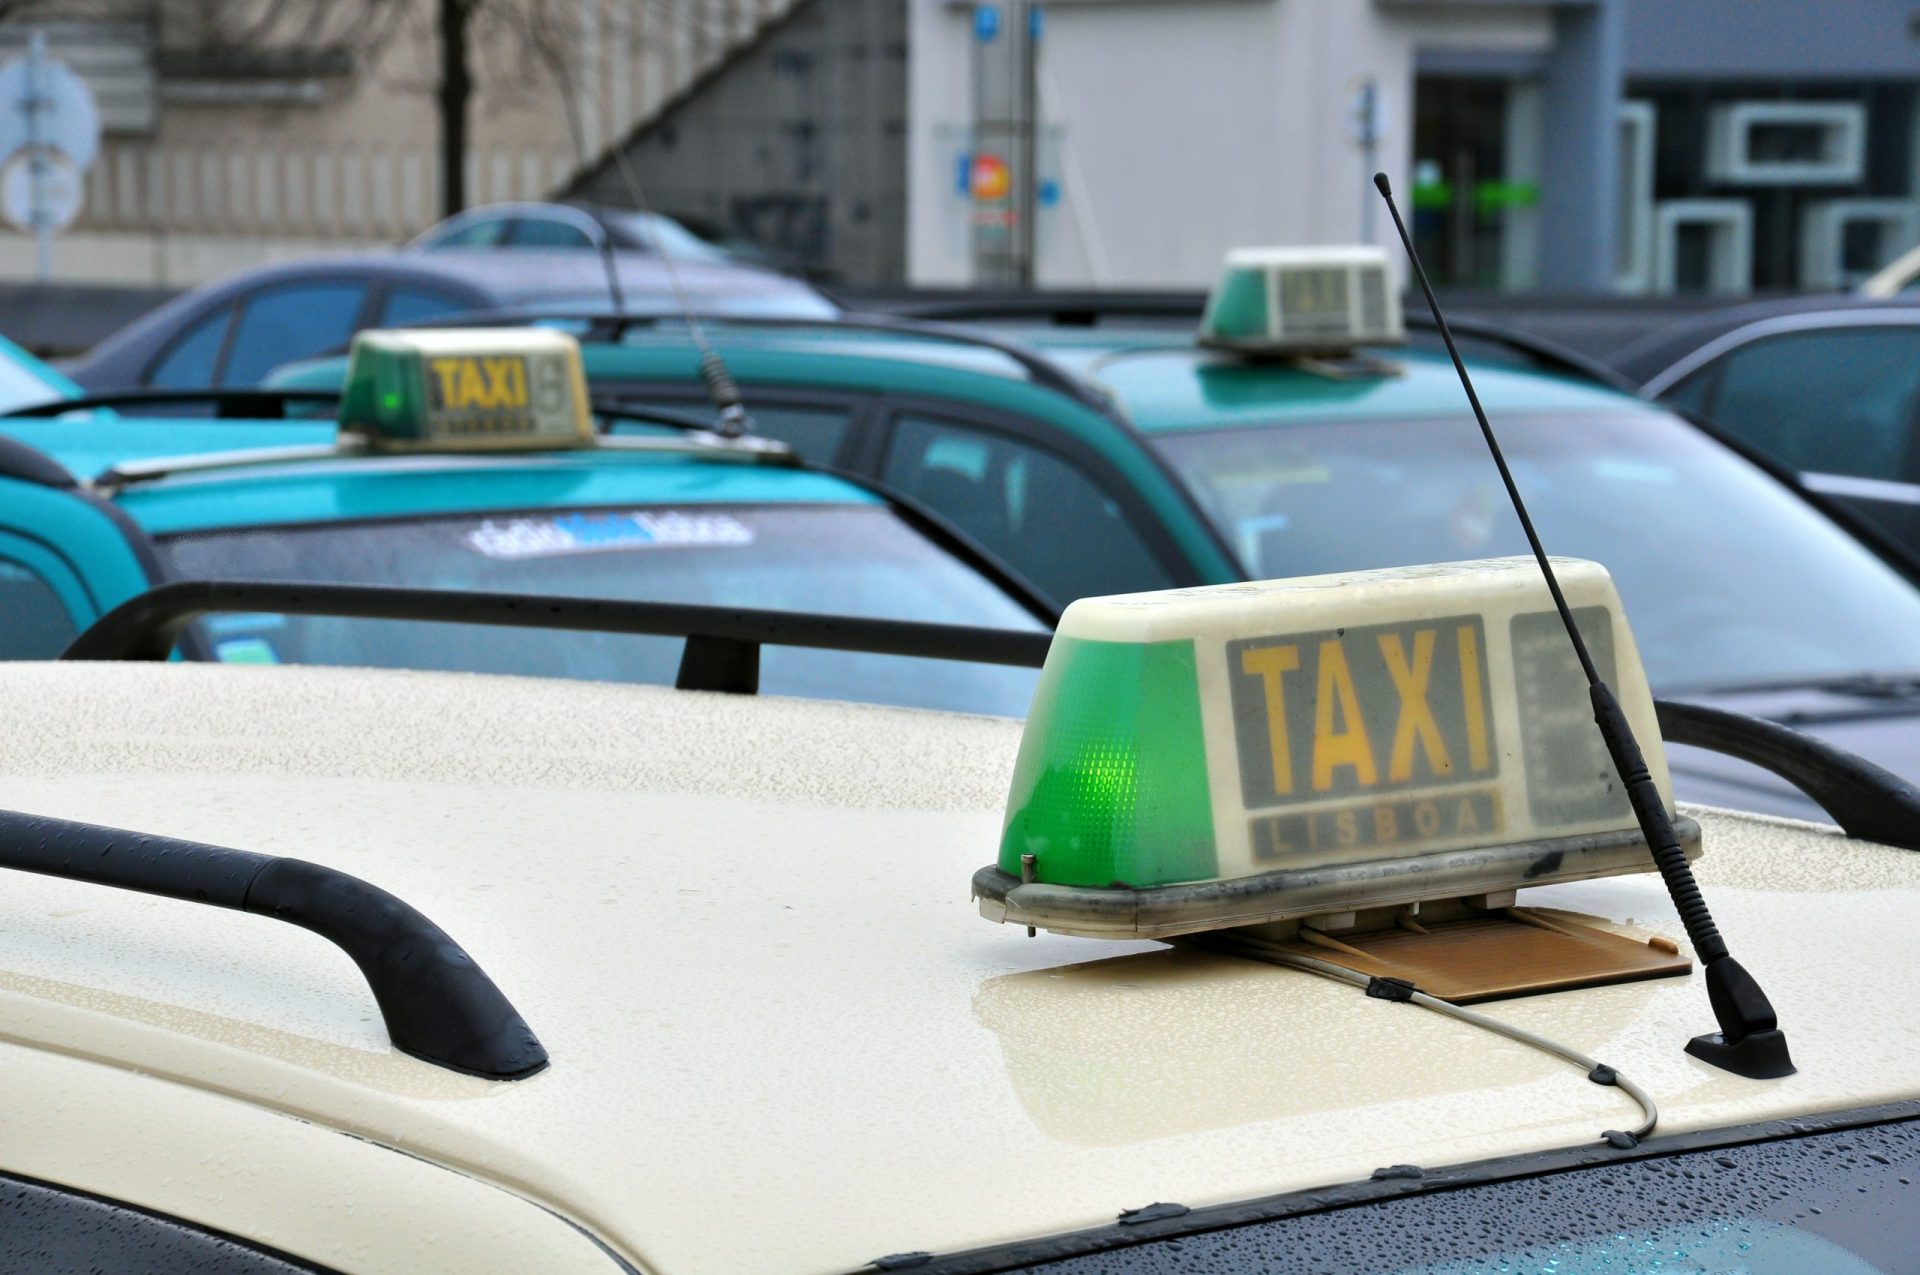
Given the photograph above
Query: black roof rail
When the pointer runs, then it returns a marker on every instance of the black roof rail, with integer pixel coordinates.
(1548, 355)
(1068, 309)
(1867, 802)
(31, 465)
(436, 1001)
(228, 403)
(603, 328)
(1088, 308)
(722, 650)
(271, 404)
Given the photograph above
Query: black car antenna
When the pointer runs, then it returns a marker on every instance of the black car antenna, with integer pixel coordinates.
(721, 387)
(1749, 1042)
(570, 106)
(724, 392)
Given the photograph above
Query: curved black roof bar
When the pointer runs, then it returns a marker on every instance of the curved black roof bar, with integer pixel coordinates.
(228, 403)
(601, 328)
(436, 1001)
(1086, 309)
(722, 643)
(1867, 802)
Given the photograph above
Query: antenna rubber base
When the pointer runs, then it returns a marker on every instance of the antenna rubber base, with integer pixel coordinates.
(1761, 1056)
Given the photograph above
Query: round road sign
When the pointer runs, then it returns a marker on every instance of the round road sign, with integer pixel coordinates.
(60, 191)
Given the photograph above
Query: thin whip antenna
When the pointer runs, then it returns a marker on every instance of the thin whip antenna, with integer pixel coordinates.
(571, 107)
(734, 420)
(1749, 1041)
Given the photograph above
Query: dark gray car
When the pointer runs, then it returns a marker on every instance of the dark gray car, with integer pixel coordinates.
(236, 330)
(1827, 386)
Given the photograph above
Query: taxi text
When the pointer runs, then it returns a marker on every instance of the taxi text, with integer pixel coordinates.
(1361, 710)
(478, 383)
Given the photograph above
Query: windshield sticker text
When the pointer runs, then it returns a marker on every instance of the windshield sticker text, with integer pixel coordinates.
(514, 538)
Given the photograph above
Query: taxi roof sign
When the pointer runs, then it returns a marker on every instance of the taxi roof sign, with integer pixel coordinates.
(466, 389)
(1303, 301)
(1236, 754)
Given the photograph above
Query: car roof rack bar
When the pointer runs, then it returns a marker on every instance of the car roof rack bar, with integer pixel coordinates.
(436, 1001)
(229, 403)
(722, 643)
(1548, 355)
(1086, 309)
(1066, 308)
(1869, 803)
(271, 405)
(603, 328)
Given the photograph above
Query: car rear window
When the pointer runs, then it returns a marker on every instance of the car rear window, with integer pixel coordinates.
(853, 560)
(1731, 579)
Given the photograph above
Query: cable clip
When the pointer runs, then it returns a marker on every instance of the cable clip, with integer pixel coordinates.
(1390, 989)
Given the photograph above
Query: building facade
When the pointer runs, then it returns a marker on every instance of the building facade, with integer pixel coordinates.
(225, 146)
(1560, 146)
(1555, 145)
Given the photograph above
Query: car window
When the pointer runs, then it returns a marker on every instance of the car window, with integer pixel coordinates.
(816, 433)
(1839, 401)
(409, 305)
(188, 364)
(854, 560)
(1045, 517)
(1694, 393)
(25, 379)
(547, 232)
(485, 232)
(1730, 579)
(1841, 1203)
(279, 325)
(34, 624)
(52, 1231)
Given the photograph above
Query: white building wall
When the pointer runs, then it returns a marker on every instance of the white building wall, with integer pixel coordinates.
(1183, 127)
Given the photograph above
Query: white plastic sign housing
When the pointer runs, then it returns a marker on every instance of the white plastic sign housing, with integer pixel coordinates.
(1319, 744)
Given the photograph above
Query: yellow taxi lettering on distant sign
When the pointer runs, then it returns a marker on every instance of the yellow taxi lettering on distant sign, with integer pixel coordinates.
(468, 383)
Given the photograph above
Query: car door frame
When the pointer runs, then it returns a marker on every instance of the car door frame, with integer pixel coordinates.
(100, 555)
(1182, 572)
(1710, 360)
(872, 415)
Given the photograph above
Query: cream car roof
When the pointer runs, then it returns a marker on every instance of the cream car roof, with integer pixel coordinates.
(781, 1037)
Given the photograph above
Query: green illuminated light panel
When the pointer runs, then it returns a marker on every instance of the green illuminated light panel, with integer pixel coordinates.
(1111, 785)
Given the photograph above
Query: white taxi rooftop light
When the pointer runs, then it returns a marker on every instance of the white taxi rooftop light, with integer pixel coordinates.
(461, 389)
(1303, 302)
(1206, 758)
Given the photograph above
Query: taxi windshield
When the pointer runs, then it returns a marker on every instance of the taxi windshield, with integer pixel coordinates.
(1729, 580)
(24, 380)
(848, 560)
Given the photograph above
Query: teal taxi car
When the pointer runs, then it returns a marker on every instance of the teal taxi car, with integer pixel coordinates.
(1113, 457)
(96, 508)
